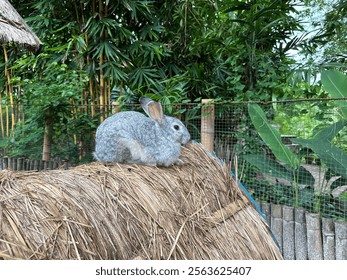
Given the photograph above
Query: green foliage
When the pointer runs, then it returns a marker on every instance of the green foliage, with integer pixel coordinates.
(282, 153)
(303, 118)
(328, 46)
(327, 134)
(25, 140)
(49, 93)
(322, 144)
(174, 51)
(56, 87)
(296, 175)
(271, 137)
(231, 50)
(275, 169)
(335, 83)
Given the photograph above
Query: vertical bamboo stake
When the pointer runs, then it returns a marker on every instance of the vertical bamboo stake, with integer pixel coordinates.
(13, 113)
(48, 134)
(115, 108)
(101, 82)
(9, 89)
(115, 104)
(84, 103)
(74, 116)
(7, 114)
(1, 118)
(102, 90)
(207, 123)
(91, 92)
(107, 82)
(108, 99)
(19, 109)
(6, 92)
(88, 61)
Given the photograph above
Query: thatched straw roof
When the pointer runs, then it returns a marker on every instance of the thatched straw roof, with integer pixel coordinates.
(14, 29)
(114, 211)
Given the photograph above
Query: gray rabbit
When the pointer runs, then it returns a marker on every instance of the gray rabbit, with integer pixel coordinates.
(131, 137)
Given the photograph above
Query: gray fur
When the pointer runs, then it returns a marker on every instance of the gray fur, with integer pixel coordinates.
(131, 137)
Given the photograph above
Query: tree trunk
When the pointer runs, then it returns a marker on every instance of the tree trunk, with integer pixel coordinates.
(48, 135)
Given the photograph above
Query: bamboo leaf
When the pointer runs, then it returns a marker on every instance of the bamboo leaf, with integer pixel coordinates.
(270, 25)
(271, 136)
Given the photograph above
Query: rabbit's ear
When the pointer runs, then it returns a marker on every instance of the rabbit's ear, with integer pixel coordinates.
(153, 109)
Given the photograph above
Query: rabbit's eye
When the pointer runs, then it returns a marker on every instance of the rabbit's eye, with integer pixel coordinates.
(176, 127)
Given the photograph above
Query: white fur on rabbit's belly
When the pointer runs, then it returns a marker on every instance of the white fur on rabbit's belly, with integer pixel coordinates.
(134, 151)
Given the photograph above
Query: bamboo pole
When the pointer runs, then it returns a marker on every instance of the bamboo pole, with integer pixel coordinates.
(108, 81)
(13, 111)
(92, 98)
(7, 114)
(115, 104)
(19, 109)
(74, 116)
(48, 134)
(207, 123)
(115, 107)
(9, 88)
(1, 118)
(108, 91)
(101, 73)
(101, 90)
(6, 91)
(91, 91)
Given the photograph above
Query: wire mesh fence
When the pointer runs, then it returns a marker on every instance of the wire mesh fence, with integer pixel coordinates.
(314, 136)
(313, 131)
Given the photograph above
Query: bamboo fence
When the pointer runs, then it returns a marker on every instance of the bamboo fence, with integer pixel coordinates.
(302, 235)
(25, 164)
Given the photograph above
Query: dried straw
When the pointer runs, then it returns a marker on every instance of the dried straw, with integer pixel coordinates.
(119, 211)
(14, 29)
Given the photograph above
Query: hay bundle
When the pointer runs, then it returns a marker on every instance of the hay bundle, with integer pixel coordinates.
(113, 211)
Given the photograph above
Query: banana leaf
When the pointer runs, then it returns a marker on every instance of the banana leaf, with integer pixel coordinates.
(274, 169)
(335, 83)
(271, 137)
(328, 133)
(334, 157)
